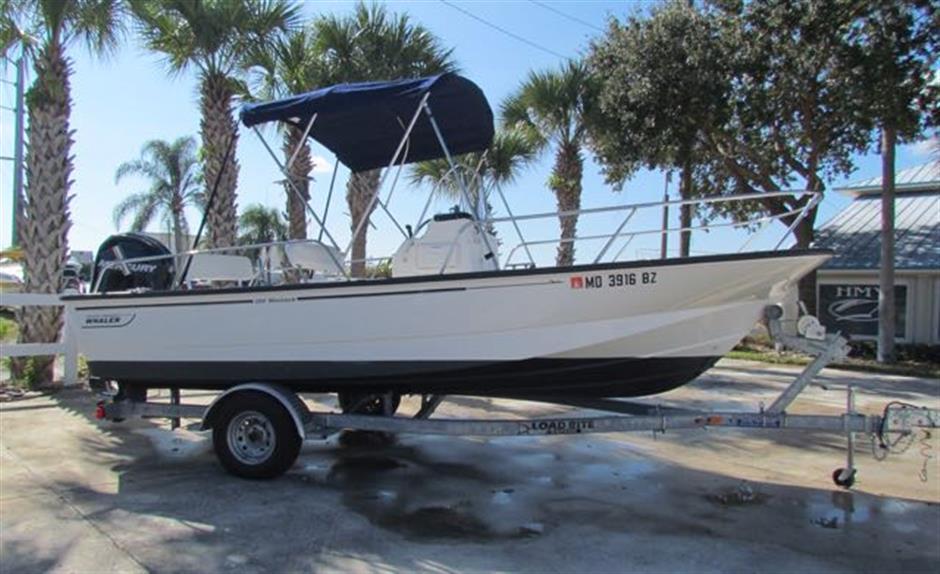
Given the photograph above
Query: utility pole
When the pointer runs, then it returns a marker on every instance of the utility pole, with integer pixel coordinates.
(17, 157)
(664, 237)
(18, 151)
(886, 302)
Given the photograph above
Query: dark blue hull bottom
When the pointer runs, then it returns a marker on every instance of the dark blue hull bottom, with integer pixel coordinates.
(533, 378)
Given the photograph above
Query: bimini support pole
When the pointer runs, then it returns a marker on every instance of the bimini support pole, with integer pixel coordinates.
(300, 144)
(329, 196)
(290, 162)
(459, 176)
(310, 210)
(205, 214)
(391, 164)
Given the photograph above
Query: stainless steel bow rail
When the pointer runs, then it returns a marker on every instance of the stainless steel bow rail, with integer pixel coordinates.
(897, 420)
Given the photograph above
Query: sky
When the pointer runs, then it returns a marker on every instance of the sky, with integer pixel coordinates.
(128, 99)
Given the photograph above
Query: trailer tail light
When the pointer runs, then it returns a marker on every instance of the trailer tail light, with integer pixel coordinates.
(100, 413)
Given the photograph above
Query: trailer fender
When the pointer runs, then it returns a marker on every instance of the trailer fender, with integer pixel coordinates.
(299, 412)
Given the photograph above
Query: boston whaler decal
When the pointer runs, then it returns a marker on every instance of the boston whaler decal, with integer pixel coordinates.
(613, 280)
(265, 300)
(110, 320)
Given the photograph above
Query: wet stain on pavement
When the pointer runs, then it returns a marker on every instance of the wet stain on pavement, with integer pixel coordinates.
(478, 491)
(436, 522)
(424, 490)
(421, 494)
(359, 467)
(741, 495)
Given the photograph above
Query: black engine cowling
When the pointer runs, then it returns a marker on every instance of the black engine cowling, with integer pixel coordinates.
(155, 275)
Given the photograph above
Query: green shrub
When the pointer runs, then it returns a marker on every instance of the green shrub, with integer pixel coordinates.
(8, 330)
(904, 353)
(29, 376)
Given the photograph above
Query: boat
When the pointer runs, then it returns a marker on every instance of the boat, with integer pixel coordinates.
(452, 319)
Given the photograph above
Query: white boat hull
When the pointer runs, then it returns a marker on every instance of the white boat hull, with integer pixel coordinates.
(604, 330)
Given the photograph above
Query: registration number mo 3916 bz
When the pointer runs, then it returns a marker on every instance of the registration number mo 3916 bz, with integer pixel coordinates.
(613, 280)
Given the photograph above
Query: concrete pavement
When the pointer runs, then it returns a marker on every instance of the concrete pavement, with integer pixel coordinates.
(81, 496)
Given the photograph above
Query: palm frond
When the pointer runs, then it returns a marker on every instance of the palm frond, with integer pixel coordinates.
(16, 28)
(164, 32)
(129, 204)
(135, 167)
(146, 212)
(512, 151)
(259, 224)
(100, 24)
(553, 104)
(175, 176)
(289, 66)
(213, 35)
(373, 43)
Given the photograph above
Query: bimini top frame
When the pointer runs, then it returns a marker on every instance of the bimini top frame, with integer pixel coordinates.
(364, 123)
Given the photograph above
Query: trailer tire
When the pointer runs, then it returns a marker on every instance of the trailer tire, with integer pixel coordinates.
(254, 436)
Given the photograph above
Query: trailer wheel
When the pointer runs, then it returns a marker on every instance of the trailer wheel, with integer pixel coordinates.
(847, 482)
(254, 436)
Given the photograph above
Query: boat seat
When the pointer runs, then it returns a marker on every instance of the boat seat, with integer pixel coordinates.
(217, 267)
(313, 256)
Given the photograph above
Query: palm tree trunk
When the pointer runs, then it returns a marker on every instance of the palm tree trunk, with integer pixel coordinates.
(299, 173)
(45, 221)
(359, 191)
(566, 183)
(886, 310)
(219, 130)
(179, 243)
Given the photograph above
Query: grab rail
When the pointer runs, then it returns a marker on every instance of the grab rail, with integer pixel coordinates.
(800, 213)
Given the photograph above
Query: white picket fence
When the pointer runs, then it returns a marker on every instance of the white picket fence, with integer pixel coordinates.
(66, 345)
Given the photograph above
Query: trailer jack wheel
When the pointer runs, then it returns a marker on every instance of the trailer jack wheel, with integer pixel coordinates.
(842, 478)
(254, 436)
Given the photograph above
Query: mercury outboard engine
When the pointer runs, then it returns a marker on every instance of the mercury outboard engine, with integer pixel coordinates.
(154, 275)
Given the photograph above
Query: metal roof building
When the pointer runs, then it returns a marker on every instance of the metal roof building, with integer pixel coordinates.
(847, 285)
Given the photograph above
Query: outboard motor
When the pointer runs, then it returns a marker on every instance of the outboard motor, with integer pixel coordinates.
(154, 275)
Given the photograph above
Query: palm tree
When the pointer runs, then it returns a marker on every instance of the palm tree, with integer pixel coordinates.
(175, 182)
(373, 44)
(510, 152)
(292, 66)
(214, 37)
(554, 105)
(260, 224)
(44, 30)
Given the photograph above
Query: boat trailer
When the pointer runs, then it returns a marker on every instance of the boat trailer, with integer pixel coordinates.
(258, 427)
